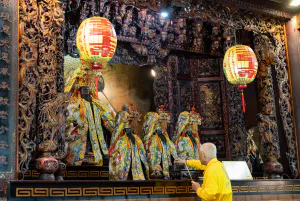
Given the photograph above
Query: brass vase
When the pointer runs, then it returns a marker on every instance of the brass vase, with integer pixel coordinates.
(46, 164)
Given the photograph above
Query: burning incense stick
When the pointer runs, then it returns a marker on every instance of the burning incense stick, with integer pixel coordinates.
(188, 171)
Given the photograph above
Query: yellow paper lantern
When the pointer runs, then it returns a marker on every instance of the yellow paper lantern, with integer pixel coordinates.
(240, 67)
(96, 41)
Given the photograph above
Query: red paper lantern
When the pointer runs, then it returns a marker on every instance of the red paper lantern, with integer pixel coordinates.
(240, 67)
(96, 41)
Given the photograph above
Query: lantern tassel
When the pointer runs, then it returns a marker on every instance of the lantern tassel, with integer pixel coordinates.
(243, 101)
(97, 80)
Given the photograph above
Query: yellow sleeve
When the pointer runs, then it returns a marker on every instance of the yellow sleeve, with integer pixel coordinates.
(195, 164)
(210, 186)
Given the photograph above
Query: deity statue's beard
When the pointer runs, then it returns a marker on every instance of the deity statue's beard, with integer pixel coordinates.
(133, 123)
(164, 125)
(195, 128)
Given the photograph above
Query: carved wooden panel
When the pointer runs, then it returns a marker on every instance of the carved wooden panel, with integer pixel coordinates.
(183, 68)
(209, 68)
(160, 86)
(173, 90)
(219, 141)
(200, 84)
(211, 105)
(185, 95)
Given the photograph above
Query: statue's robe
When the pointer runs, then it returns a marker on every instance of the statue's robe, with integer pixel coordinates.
(127, 155)
(92, 116)
(158, 145)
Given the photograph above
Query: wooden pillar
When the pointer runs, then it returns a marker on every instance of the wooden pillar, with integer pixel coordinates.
(267, 121)
(285, 101)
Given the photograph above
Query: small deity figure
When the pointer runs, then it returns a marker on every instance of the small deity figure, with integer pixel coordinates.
(186, 138)
(127, 156)
(128, 28)
(215, 48)
(216, 38)
(151, 33)
(132, 31)
(128, 17)
(87, 117)
(150, 21)
(158, 145)
(171, 38)
(142, 15)
(163, 27)
(254, 157)
(228, 35)
(180, 31)
(197, 35)
(106, 13)
(164, 36)
(125, 30)
(198, 44)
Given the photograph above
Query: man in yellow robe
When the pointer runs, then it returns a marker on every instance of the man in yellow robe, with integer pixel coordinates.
(216, 183)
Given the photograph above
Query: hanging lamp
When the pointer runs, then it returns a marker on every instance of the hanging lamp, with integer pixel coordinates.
(240, 67)
(96, 41)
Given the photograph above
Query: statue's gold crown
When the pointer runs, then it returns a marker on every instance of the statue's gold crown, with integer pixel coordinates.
(164, 114)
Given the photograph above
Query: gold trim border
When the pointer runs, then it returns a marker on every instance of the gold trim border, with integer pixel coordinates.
(103, 191)
(143, 190)
(74, 173)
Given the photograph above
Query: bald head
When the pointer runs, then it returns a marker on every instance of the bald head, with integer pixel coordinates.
(209, 151)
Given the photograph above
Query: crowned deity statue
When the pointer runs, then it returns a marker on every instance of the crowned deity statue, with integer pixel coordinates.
(127, 156)
(158, 145)
(88, 116)
(186, 138)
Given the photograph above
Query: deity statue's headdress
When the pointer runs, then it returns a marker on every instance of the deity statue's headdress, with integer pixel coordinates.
(134, 113)
(195, 117)
(164, 115)
(127, 114)
(77, 74)
(187, 120)
(195, 120)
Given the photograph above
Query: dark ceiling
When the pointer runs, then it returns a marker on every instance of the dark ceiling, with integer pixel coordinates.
(281, 5)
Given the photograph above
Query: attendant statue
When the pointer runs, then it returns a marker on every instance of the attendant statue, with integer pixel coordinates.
(88, 117)
(254, 157)
(127, 156)
(186, 138)
(158, 145)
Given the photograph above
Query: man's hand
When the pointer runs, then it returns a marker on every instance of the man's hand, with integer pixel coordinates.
(195, 185)
(179, 161)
